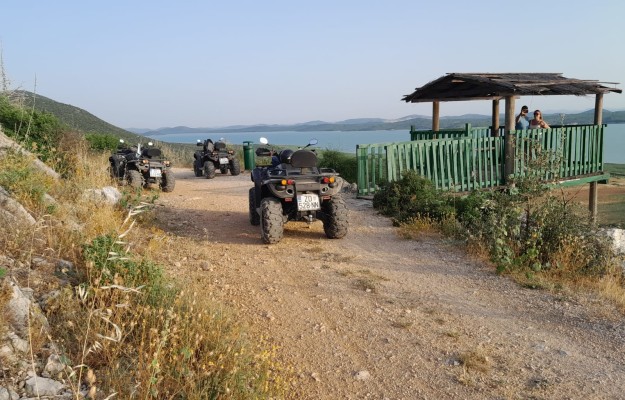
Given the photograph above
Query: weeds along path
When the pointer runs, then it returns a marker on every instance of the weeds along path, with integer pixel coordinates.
(375, 316)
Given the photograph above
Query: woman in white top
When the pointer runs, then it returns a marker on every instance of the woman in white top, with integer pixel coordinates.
(538, 122)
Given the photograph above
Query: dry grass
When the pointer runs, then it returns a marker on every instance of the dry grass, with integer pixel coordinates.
(126, 330)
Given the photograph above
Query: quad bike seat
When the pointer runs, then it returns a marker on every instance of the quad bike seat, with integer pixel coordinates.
(220, 146)
(151, 152)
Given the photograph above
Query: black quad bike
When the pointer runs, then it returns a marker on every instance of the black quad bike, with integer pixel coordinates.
(213, 157)
(294, 188)
(139, 167)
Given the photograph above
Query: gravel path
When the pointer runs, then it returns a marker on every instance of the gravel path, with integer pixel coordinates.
(375, 316)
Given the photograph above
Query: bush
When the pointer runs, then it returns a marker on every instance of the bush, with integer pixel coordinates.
(343, 163)
(38, 132)
(102, 141)
(412, 196)
(524, 228)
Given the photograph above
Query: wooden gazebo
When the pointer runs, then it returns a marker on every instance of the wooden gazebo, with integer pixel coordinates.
(448, 161)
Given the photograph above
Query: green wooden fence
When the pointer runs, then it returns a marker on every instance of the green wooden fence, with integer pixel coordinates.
(473, 159)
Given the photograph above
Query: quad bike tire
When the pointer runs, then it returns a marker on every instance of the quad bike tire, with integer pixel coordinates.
(235, 167)
(223, 169)
(271, 221)
(168, 182)
(135, 179)
(209, 170)
(197, 169)
(334, 218)
(254, 217)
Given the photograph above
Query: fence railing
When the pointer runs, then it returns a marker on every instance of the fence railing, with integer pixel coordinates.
(560, 153)
(474, 159)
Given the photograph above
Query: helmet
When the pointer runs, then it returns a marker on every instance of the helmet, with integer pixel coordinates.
(285, 156)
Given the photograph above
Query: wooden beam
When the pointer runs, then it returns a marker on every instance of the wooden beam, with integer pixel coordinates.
(495, 118)
(509, 140)
(439, 99)
(435, 116)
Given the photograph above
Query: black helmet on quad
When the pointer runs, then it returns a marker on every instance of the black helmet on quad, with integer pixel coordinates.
(285, 156)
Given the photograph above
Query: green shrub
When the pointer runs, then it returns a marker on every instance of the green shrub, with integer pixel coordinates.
(110, 265)
(412, 196)
(38, 132)
(102, 141)
(343, 163)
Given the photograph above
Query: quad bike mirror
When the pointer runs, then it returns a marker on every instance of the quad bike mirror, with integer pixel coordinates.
(313, 142)
(263, 140)
(150, 144)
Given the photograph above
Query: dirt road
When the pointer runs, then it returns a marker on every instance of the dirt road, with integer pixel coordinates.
(375, 316)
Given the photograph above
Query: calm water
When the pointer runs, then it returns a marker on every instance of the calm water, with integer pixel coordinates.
(347, 141)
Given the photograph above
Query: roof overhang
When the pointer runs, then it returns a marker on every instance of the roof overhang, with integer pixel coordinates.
(491, 86)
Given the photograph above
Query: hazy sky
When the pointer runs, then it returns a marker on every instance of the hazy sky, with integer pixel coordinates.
(151, 64)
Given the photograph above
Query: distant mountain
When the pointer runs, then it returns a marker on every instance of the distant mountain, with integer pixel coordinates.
(404, 123)
(138, 131)
(86, 122)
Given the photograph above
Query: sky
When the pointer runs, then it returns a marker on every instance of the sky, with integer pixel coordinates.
(152, 64)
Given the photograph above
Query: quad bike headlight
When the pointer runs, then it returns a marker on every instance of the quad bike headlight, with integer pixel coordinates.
(145, 161)
(166, 163)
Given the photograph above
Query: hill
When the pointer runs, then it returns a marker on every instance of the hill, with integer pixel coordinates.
(74, 117)
(84, 121)
(374, 124)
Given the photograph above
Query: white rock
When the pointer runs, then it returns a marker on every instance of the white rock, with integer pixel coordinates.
(53, 366)
(12, 212)
(38, 386)
(17, 309)
(8, 394)
(618, 239)
(108, 195)
(362, 375)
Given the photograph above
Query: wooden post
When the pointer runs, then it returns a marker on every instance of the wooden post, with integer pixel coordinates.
(435, 116)
(592, 201)
(592, 193)
(495, 119)
(599, 109)
(509, 139)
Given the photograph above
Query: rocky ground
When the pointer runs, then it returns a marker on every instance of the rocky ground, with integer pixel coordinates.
(376, 316)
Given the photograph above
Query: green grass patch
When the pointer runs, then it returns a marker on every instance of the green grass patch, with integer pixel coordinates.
(614, 169)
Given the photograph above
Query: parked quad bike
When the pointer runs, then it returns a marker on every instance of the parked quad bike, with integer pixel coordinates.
(294, 188)
(213, 157)
(138, 167)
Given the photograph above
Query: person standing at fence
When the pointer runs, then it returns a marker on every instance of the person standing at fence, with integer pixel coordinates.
(538, 122)
(521, 121)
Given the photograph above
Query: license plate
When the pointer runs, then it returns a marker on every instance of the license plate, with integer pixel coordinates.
(223, 160)
(155, 173)
(307, 202)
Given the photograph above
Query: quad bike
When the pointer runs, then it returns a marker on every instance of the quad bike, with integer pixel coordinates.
(213, 157)
(140, 167)
(294, 188)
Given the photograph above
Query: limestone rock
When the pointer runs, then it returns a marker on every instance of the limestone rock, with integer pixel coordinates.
(8, 394)
(38, 386)
(108, 195)
(12, 212)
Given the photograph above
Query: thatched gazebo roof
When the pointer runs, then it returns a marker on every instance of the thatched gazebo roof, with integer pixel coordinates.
(492, 86)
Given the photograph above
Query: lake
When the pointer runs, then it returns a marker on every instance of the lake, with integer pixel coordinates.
(347, 141)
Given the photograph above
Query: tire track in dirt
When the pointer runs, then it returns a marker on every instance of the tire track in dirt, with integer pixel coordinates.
(375, 316)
